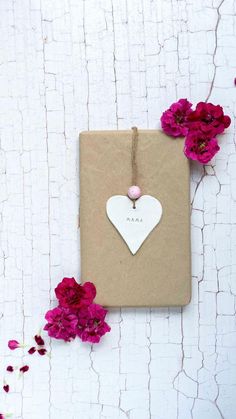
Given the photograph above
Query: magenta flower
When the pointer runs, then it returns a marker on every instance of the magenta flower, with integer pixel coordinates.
(72, 295)
(10, 368)
(24, 369)
(199, 147)
(209, 118)
(174, 121)
(61, 324)
(91, 325)
(13, 344)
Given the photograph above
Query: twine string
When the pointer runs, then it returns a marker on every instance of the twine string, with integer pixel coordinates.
(134, 159)
(134, 156)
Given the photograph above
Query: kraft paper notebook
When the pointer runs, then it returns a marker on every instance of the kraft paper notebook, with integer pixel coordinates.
(159, 274)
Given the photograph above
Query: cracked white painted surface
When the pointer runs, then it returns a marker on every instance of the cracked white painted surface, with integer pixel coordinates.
(71, 65)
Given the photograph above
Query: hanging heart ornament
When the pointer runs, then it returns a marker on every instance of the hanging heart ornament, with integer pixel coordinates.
(134, 224)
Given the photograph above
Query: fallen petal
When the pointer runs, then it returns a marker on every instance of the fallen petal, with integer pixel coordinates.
(42, 351)
(24, 369)
(39, 340)
(13, 344)
(32, 350)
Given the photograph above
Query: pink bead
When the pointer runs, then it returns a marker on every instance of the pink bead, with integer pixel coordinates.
(134, 192)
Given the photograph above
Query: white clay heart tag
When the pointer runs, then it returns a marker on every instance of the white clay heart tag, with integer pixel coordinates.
(134, 224)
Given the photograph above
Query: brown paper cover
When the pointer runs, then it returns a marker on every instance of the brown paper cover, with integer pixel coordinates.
(160, 272)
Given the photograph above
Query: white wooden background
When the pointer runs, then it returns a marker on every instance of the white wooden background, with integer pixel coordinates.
(72, 65)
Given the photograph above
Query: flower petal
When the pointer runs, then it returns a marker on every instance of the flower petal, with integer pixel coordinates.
(32, 350)
(13, 344)
(24, 369)
(42, 351)
(39, 340)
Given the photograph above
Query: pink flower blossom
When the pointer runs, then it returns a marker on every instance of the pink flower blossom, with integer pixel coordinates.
(174, 121)
(13, 344)
(24, 369)
(73, 295)
(10, 368)
(199, 147)
(91, 324)
(209, 118)
(61, 324)
(1, 416)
